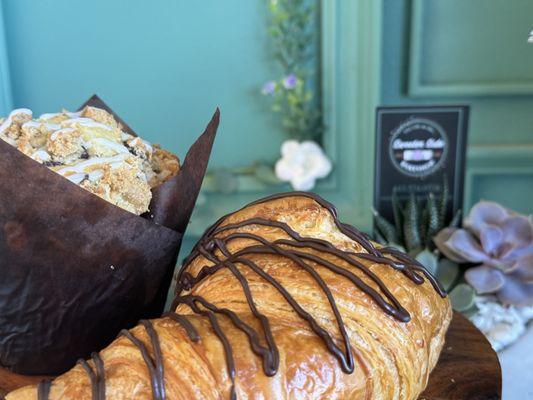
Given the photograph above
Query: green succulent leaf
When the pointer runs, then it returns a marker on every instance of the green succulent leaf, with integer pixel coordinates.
(447, 272)
(443, 203)
(462, 297)
(387, 230)
(470, 311)
(398, 215)
(379, 238)
(411, 225)
(456, 220)
(423, 225)
(397, 246)
(265, 173)
(428, 260)
(225, 182)
(433, 219)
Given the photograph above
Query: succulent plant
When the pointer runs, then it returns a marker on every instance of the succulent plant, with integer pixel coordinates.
(500, 242)
(415, 221)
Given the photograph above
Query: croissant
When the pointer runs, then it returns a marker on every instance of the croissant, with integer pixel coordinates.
(279, 300)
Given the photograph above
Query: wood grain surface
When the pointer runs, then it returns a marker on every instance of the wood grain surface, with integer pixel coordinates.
(468, 368)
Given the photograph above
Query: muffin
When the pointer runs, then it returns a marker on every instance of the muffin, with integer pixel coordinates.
(91, 149)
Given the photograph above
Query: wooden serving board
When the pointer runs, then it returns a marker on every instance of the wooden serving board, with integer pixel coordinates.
(468, 368)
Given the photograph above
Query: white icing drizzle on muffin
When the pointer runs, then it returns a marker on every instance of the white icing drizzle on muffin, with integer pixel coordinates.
(90, 149)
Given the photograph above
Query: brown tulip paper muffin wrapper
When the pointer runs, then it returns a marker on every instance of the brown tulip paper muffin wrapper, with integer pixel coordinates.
(75, 269)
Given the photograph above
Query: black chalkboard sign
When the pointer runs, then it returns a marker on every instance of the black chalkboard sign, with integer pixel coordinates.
(416, 149)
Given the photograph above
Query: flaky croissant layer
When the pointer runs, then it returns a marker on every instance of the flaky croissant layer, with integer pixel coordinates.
(279, 300)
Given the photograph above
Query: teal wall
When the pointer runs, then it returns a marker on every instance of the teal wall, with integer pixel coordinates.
(470, 52)
(164, 66)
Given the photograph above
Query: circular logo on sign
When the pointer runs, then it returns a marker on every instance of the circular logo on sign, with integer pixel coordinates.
(418, 147)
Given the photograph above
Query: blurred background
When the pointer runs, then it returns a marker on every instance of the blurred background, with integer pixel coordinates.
(164, 66)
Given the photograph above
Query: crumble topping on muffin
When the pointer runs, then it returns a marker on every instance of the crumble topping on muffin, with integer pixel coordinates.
(90, 149)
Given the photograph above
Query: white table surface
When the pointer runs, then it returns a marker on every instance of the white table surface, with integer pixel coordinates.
(517, 368)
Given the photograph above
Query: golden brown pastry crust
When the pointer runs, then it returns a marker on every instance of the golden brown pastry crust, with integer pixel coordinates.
(165, 164)
(393, 359)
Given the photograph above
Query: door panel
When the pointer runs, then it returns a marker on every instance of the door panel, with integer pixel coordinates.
(473, 52)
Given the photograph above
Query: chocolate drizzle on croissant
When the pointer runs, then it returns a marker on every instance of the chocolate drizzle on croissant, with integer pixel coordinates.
(43, 390)
(213, 246)
(155, 363)
(97, 377)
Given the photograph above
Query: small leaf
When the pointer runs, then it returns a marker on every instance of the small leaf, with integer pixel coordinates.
(380, 239)
(411, 225)
(423, 224)
(433, 219)
(443, 203)
(208, 183)
(397, 246)
(447, 272)
(225, 182)
(470, 312)
(265, 174)
(385, 227)
(398, 215)
(456, 220)
(428, 260)
(462, 297)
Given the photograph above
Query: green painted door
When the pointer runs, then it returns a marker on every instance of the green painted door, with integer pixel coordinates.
(470, 52)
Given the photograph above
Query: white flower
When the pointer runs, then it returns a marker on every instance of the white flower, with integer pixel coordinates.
(501, 325)
(302, 163)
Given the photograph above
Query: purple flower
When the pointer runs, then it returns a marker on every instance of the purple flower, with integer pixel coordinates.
(289, 82)
(269, 88)
(501, 241)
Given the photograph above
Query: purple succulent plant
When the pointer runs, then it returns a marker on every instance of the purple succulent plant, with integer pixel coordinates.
(501, 242)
